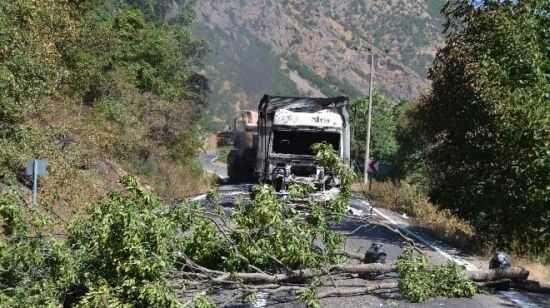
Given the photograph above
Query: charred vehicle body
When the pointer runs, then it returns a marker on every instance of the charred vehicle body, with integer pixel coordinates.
(287, 129)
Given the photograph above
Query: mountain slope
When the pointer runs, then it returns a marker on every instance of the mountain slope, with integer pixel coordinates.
(315, 48)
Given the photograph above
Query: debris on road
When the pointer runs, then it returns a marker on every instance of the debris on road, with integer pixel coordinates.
(375, 254)
(500, 260)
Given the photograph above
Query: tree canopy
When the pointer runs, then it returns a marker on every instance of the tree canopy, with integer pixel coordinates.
(484, 129)
(384, 123)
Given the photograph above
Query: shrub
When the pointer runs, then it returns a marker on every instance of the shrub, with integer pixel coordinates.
(129, 242)
(36, 268)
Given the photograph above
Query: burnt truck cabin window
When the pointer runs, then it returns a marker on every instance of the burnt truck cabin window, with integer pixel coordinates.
(300, 142)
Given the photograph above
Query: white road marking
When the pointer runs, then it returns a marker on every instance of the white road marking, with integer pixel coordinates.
(223, 178)
(355, 212)
(235, 193)
(213, 160)
(261, 300)
(203, 196)
(198, 198)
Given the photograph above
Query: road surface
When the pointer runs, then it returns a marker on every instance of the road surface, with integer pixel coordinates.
(211, 165)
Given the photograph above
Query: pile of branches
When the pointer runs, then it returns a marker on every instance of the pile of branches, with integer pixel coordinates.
(271, 248)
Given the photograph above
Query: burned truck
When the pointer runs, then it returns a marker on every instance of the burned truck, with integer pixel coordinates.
(287, 129)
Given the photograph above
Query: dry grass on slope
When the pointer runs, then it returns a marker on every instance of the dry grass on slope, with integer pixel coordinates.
(90, 146)
(537, 271)
(405, 199)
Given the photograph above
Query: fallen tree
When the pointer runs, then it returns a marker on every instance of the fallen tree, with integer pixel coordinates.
(513, 273)
(302, 279)
(516, 274)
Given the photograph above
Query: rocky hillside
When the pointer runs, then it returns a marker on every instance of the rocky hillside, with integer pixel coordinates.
(315, 48)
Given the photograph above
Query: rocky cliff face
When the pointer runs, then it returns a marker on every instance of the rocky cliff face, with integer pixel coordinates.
(315, 47)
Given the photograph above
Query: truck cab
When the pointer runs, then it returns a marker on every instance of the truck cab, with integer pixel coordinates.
(287, 129)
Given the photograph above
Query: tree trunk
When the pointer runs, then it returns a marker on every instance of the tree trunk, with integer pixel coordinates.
(513, 273)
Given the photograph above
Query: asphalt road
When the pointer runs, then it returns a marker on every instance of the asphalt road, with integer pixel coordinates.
(380, 229)
(209, 163)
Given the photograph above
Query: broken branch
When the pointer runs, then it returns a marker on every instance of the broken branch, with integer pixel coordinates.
(513, 273)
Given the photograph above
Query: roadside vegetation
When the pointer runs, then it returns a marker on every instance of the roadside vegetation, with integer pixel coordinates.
(121, 250)
(481, 135)
(419, 282)
(472, 156)
(107, 89)
(116, 254)
(99, 89)
(384, 125)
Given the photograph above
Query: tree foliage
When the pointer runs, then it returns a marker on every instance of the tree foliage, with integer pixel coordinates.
(29, 56)
(384, 123)
(484, 129)
(127, 243)
(271, 234)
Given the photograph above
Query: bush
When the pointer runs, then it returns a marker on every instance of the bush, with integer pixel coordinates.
(115, 92)
(129, 242)
(37, 269)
